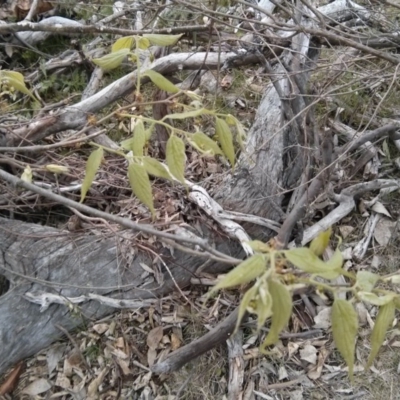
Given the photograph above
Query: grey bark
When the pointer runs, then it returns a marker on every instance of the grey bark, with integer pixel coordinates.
(35, 258)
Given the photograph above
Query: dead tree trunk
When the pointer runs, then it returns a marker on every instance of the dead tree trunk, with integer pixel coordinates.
(37, 259)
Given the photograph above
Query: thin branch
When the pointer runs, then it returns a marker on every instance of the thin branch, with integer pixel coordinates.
(125, 222)
(26, 26)
(218, 335)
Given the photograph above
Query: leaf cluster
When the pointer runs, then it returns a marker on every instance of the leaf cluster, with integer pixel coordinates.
(276, 273)
(134, 149)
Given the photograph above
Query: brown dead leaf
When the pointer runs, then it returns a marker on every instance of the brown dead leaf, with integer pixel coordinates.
(94, 385)
(309, 354)
(316, 370)
(154, 337)
(124, 366)
(226, 81)
(72, 361)
(100, 328)
(151, 357)
(37, 387)
(63, 381)
(11, 381)
(120, 343)
(22, 7)
(175, 342)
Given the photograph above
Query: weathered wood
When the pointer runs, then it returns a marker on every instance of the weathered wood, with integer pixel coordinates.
(36, 258)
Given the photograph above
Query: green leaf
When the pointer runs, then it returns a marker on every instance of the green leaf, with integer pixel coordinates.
(140, 184)
(241, 135)
(15, 80)
(176, 157)
(149, 132)
(127, 144)
(161, 82)
(230, 120)
(372, 298)
(245, 272)
(383, 322)
(344, 330)
(155, 168)
(224, 135)
(139, 139)
(137, 142)
(204, 144)
(57, 169)
(335, 263)
(259, 246)
(125, 42)
(306, 260)
(112, 60)
(247, 298)
(320, 243)
(395, 279)
(27, 174)
(162, 40)
(187, 114)
(366, 280)
(143, 43)
(281, 311)
(92, 165)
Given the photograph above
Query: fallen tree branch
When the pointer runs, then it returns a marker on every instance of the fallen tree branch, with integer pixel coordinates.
(218, 335)
(67, 26)
(125, 222)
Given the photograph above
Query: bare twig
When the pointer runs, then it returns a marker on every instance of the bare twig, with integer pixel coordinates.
(109, 217)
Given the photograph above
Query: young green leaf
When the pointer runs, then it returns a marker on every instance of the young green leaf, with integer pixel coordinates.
(372, 298)
(155, 168)
(320, 243)
(204, 144)
(383, 322)
(57, 169)
(187, 114)
(15, 80)
(27, 174)
(139, 139)
(247, 298)
(245, 272)
(241, 134)
(112, 60)
(161, 82)
(335, 263)
(149, 132)
(176, 157)
(92, 165)
(259, 246)
(140, 184)
(366, 280)
(230, 120)
(306, 260)
(127, 144)
(143, 43)
(125, 42)
(162, 40)
(344, 330)
(281, 311)
(225, 139)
